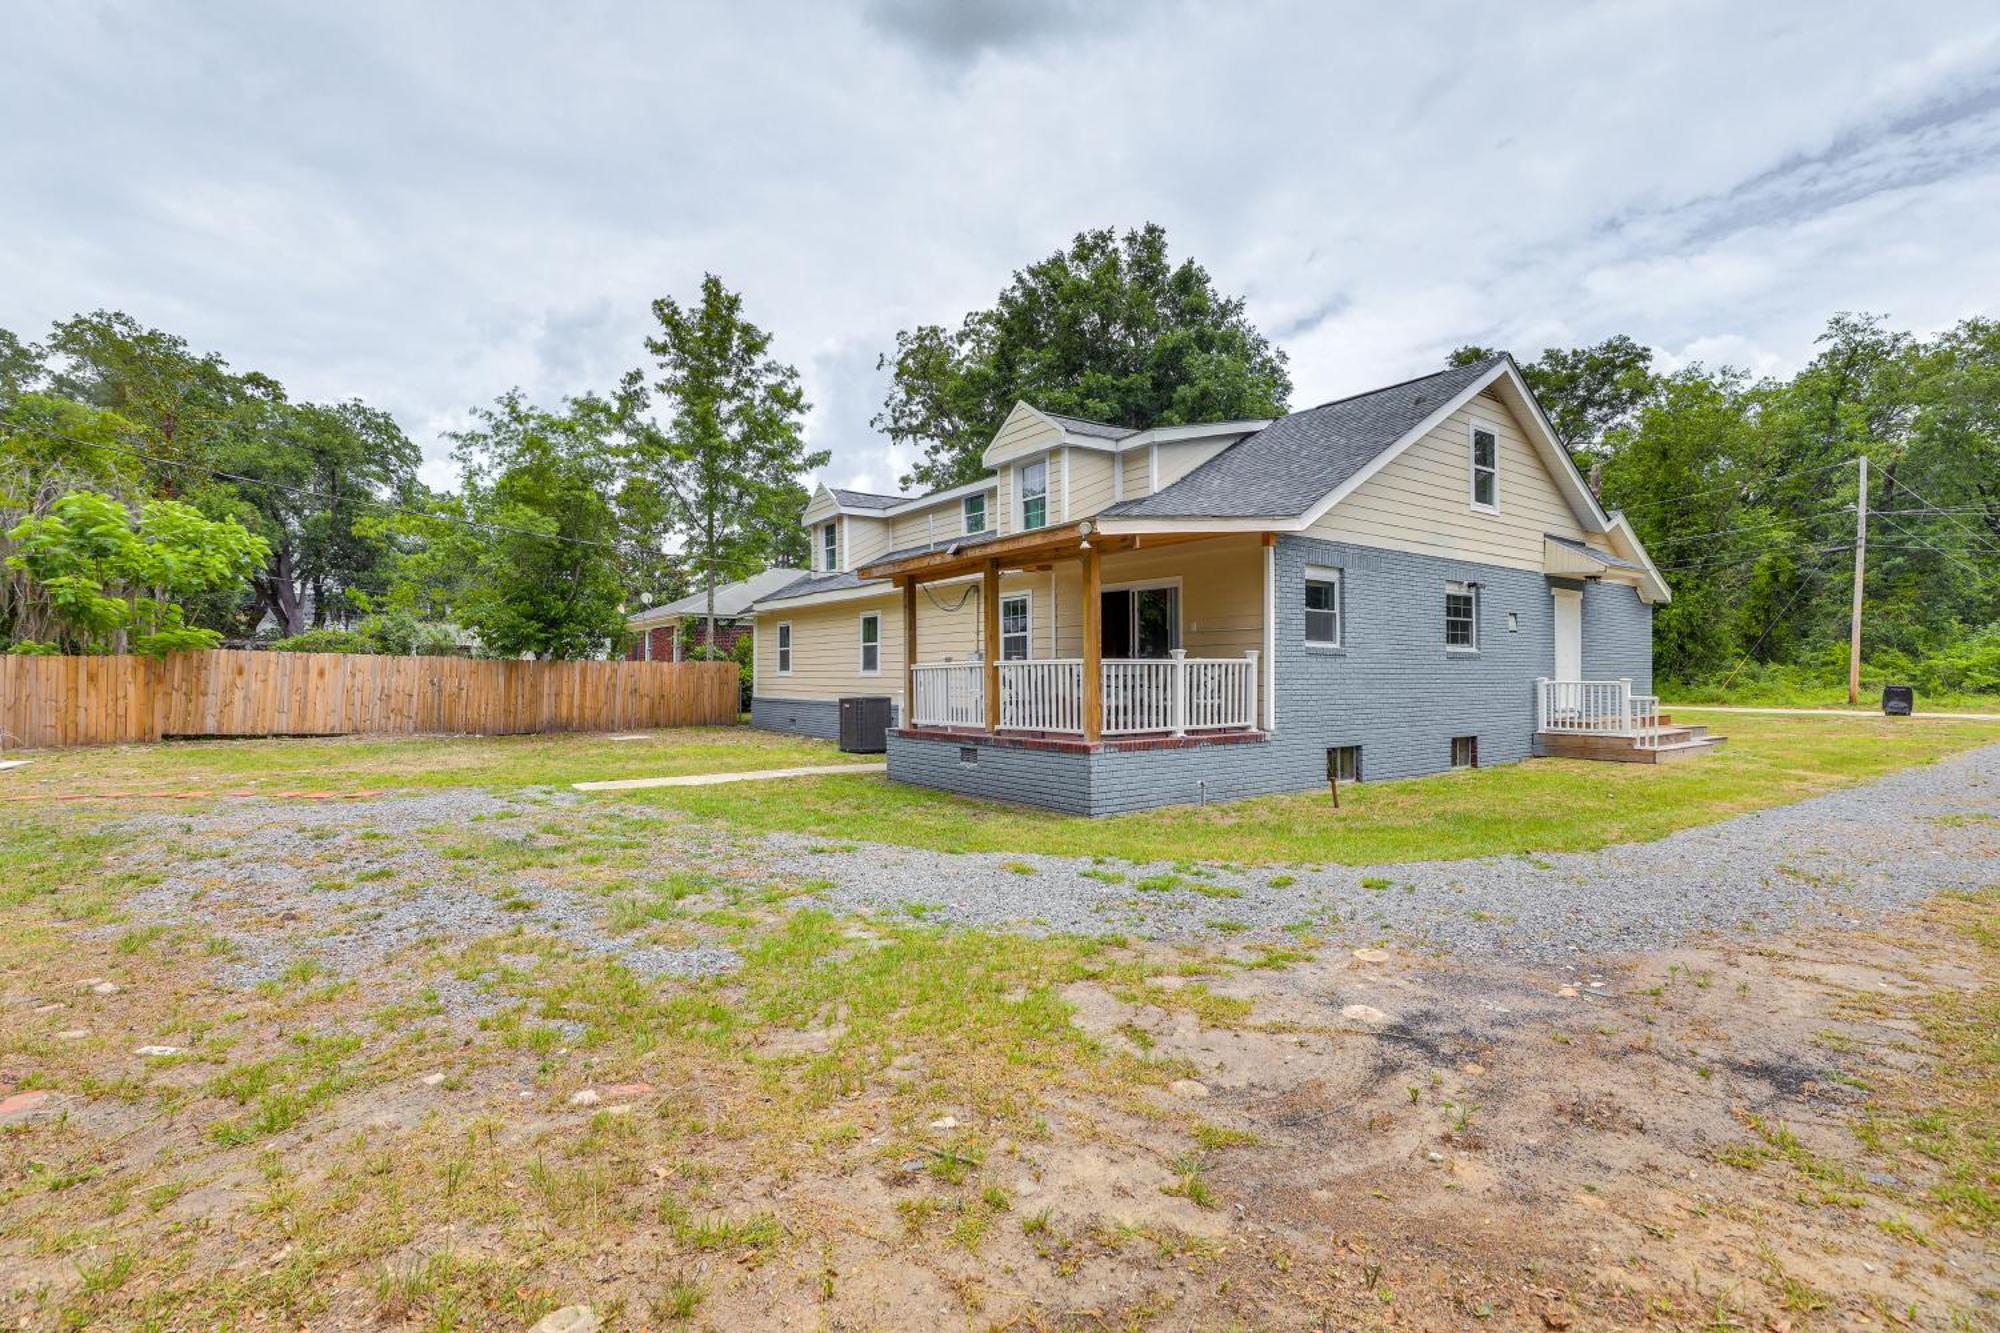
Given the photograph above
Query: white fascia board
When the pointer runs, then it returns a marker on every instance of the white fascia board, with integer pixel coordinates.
(1182, 434)
(917, 504)
(1653, 583)
(1140, 527)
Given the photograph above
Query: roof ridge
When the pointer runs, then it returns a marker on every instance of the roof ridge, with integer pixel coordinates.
(1480, 364)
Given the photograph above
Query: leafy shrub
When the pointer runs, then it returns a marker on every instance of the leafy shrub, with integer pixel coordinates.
(326, 641)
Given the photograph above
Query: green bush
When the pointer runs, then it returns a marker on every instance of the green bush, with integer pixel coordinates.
(326, 641)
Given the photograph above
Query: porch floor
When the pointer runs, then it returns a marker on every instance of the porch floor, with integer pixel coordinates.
(1069, 743)
(1675, 743)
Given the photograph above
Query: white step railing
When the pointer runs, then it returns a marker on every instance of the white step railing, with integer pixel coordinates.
(1041, 696)
(1598, 708)
(948, 694)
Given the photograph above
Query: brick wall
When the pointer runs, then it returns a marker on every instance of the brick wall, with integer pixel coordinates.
(727, 632)
(1617, 636)
(802, 717)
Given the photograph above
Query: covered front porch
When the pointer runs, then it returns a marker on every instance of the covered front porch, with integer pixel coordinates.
(1120, 672)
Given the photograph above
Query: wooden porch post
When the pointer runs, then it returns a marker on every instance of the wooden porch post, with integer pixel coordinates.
(1093, 646)
(909, 652)
(989, 611)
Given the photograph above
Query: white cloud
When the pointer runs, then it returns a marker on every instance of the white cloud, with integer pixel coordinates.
(426, 205)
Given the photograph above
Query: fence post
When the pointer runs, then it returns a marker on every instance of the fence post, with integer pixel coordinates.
(1625, 704)
(1177, 691)
(1250, 694)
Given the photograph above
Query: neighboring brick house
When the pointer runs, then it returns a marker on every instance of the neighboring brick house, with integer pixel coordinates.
(1396, 583)
(659, 628)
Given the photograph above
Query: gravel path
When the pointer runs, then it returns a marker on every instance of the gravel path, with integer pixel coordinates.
(355, 884)
(1844, 857)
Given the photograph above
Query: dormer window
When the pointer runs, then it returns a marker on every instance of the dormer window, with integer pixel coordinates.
(829, 540)
(1035, 495)
(1485, 469)
(975, 513)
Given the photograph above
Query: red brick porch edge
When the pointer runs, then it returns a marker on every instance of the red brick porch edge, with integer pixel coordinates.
(1070, 745)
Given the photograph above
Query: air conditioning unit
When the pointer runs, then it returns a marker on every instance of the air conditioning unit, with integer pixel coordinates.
(864, 724)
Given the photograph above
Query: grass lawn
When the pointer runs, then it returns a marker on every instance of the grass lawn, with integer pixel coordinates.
(1767, 695)
(1544, 806)
(344, 763)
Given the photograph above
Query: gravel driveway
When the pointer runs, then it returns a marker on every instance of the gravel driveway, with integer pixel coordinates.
(1843, 857)
(1840, 858)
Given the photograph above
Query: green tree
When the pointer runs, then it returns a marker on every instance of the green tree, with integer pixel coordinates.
(110, 579)
(1108, 329)
(528, 555)
(732, 450)
(1586, 391)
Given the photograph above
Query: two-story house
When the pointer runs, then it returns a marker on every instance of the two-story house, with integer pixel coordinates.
(1397, 583)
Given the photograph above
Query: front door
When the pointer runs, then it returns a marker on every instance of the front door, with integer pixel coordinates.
(1569, 634)
(1141, 622)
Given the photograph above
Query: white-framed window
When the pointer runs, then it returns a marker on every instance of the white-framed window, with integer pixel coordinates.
(1016, 618)
(829, 544)
(871, 643)
(784, 647)
(1323, 625)
(1034, 495)
(1485, 455)
(1461, 617)
(975, 513)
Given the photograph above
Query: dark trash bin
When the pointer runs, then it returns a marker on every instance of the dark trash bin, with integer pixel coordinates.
(1898, 700)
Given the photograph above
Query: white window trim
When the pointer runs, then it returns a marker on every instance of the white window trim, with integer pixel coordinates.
(832, 557)
(782, 640)
(965, 514)
(1026, 595)
(1472, 466)
(1463, 585)
(1328, 574)
(1021, 494)
(861, 643)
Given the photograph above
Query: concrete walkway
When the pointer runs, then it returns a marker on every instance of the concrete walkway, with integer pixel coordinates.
(711, 779)
(1818, 712)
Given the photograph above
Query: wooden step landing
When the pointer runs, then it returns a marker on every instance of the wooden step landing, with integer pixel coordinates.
(1676, 744)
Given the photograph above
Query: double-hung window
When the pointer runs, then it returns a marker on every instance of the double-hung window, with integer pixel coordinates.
(975, 513)
(1485, 469)
(1323, 607)
(784, 647)
(1461, 617)
(1034, 495)
(1014, 622)
(829, 540)
(871, 643)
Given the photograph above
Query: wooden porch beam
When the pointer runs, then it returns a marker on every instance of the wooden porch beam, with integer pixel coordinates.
(909, 652)
(989, 612)
(1093, 645)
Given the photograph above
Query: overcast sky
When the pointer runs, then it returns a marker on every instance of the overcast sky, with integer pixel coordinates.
(422, 204)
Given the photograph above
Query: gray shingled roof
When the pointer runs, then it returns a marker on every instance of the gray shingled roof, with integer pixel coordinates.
(946, 544)
(1102, 430)
(1602, 557)
(1298, 460)
(731, 599)
(866, 499)
(806, 587)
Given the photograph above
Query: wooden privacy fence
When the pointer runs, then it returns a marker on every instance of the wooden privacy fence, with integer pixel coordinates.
(48, 701)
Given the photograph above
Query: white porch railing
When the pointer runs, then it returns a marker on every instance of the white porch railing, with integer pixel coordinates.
(1041, 696)
(948, 694)
(1174, 695)
(1598, 708)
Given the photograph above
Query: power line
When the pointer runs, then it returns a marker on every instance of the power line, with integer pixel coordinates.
(1913, 491)
(1977, 573)
(1772, 623)
(1729, 486)
(329, 500)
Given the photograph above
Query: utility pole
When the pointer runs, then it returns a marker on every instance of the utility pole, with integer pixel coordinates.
(1860, 563)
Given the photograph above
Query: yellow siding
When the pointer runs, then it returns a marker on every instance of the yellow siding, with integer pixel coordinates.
(1021, 433)
(1423, 501)
(826, 650)
(1222, 590)
(862, 540)
(1089, 481)
(1138, 465)
(1177, 460)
